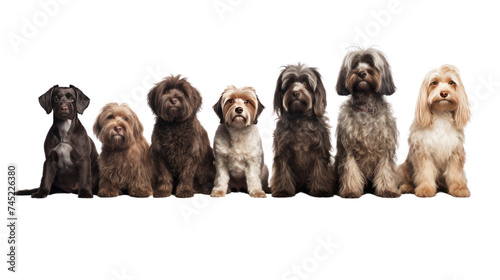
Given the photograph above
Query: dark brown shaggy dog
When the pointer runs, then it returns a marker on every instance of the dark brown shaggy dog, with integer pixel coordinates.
(125, 165)
(302, 138)
(70, 155)
(180, 146)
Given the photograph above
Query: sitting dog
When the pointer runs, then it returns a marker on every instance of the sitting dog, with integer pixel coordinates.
(436, 157)
(366, 132)
(239, 158)
(180, 146)
(70, 155)
(124, 163)
(302, 137)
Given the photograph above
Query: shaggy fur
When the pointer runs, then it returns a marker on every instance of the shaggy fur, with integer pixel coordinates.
(70, 155)
(302, 138)
(180, 146)
(436, 157)
(239, 157)
(366, 131)
(125, 165)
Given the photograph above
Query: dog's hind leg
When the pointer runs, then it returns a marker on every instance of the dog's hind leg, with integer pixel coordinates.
(404, 172)
(49, 173)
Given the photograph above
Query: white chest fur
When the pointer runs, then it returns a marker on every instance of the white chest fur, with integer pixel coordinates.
(440, 139)
(63, 149)
(239, 148)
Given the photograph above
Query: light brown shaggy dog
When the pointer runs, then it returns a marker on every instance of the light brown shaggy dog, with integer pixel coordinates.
(124, 163)
(437, 156)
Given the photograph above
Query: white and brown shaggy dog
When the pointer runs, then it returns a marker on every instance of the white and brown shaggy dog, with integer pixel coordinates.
(436, 157)
(239, 158)
(366, 132)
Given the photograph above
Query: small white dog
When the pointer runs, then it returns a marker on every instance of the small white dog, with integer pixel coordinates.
(239, 158)
(437, 155)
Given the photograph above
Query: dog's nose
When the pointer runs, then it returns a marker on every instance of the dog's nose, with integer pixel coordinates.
(174, 101)
(443, 94)
(362, 74)
(295, 94)
(118, 128)
(64, 107)
(239, 110)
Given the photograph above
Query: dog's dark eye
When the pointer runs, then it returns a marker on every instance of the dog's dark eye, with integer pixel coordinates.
(56, 99)
(125, 118)
(451, 83)
(110, 117)
(434, 83)
(230, 101)
(71, 99)
(305, 83)
(246, 101)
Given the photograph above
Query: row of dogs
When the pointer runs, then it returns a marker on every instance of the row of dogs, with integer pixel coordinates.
(181, 161)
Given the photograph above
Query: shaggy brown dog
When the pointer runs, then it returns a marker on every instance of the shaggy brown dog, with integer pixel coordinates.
(180, 146)
(125, 164)
(302, 137)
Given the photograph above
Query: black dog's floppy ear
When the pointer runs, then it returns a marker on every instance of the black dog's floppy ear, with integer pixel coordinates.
(45, 99)
(278, 95)
(259, 110)
(319, 96)
(82, 101)
(341, 88)
(218, 108)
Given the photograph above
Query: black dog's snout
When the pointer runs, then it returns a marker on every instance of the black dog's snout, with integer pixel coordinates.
(118, 128)
(174, 101)
(362, 74)
(443, 94)
(296, 93)
(64, 108)
(239, 110)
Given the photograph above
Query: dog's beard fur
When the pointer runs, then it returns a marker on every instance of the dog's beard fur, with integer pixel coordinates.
(111, 117)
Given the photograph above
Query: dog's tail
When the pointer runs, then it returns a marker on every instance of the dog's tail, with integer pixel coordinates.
(26, 192)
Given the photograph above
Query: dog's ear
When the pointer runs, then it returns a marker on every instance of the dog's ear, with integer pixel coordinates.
(218, 108)
(341, 80)
(97, 128)
(423, 115)
(195, 99)
(260, 108)
(82, 101)
(462, 114)
(137, 125)
(387, 86)
(45, 99)
(319, 105)
(278, 95)
(152, 99)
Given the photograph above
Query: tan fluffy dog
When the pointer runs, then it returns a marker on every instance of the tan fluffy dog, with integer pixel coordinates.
(124, 163)
(437, 156)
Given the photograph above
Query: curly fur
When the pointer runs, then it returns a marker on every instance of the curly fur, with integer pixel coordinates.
(125, 163)
(302, 138)
(366, 131)
(179, 145)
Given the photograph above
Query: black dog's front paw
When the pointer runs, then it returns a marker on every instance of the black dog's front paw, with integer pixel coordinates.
(85, 194)
(184, 192)
(39, 194)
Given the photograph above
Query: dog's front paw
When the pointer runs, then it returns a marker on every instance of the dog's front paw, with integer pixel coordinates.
(257, 193)
(106, 193)
(140, 192)
(85, 194)
(184, 192)
(459, 191)
(282, 194)
(217, 192)
(407, 188)
(350, 194)
(388, 194)
(425, 191)
(162, 191)
(39, 194)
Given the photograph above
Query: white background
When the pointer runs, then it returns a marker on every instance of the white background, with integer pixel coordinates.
(115, 51)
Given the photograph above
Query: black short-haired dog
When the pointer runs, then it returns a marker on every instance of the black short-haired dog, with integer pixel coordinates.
(70, 155)
(302, 137)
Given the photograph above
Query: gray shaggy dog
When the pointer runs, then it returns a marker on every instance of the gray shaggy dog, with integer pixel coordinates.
(366, 132)
(302, 137)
